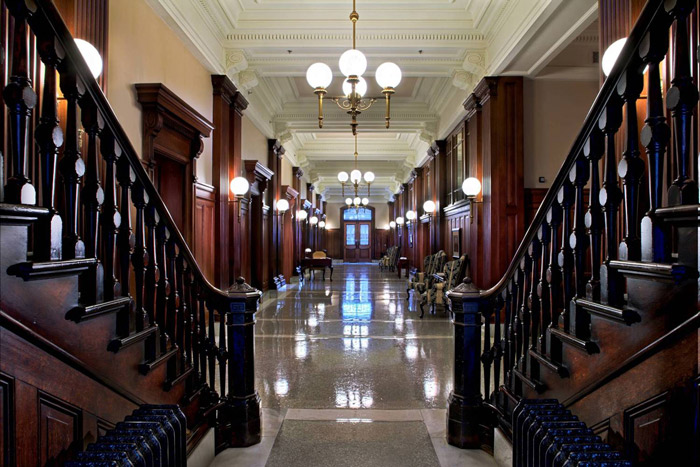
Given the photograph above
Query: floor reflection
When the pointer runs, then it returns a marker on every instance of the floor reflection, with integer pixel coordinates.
(351, 343)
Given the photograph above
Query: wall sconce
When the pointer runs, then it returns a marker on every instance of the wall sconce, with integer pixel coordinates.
(471, 188)
(302, 215)
(322, 224)
(239, 187)
(314, 220)
(411, 216)
(392, 225)
(429, 207)
(282, 206)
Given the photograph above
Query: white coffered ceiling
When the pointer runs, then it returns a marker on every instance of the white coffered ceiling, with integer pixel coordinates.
(444, 47)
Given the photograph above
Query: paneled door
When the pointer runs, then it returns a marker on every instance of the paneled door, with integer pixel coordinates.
(357, 242)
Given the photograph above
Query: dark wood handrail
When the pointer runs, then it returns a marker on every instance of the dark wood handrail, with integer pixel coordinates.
(55, 22)
(607, 91)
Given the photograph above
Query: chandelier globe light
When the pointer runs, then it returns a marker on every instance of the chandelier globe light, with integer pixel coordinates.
(343, 177)
(353, 64)
(365, 201)
(356, 177)
(348, 201)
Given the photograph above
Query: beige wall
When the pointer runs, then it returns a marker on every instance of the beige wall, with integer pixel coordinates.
(253, 142)
(286, 172)
(554, 111)
(143, 49)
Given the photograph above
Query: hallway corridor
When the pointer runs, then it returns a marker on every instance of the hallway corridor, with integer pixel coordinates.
(348, 375)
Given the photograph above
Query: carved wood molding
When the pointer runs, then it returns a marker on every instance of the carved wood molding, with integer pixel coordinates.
(258, 175)
(297, 172)
(276, 147)
(289, 192)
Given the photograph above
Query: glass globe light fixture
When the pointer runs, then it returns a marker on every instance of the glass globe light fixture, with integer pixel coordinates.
(301, 215)
(239, 186)
(411, 215)
(322, 224)
(355, 176)
(91, 56)
(319, 75)
(399, 221)
(471, 187)
(348, 201)
(429, 207)
(369, 177)
(388, 75)
(352, 63)
(365, 201)
(343, 177)
(282, 206)
(360, 88)
(392, 225)
(313, 220)
(356, 201)
(611, 54)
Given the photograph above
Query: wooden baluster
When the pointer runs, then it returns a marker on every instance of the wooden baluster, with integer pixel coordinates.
(486, 354)
(172, 311)
(125, 238)
(20, 99)
(554, 276)
(594, 150)
(631, 167)
(535, 253)
(191, 312)
(610, 198)
(655, 137)
(565, 198)
(498, 344)
(579, 243)
(213, 352)
(152, 271)
(139, 257)
(71, 166)
(681, 100)
(111, 218)
(163, 291)
(49, 137)
(182, 309)
(511, 313)
(543, 287)
(517, 317)
(92, 195)
(525, 317)
(222, 354)
(196, 330)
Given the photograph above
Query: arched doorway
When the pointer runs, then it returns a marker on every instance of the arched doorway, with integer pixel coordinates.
(357, 226)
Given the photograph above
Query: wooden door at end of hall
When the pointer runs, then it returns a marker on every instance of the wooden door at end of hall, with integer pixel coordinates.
(357, 240)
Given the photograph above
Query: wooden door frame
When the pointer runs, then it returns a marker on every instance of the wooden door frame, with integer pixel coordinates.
(371, 230)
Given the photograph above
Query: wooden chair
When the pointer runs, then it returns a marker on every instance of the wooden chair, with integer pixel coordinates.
(451, 275)
(422, 281)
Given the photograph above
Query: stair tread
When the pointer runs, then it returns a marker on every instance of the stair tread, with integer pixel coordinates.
(622, 315)
(21, 213)
(85, 312)
(674, 272)
(120, 343)
(589, 347)
(174, 382)
(557, 368)
(42, 270)
(537, 386)
(147, 367)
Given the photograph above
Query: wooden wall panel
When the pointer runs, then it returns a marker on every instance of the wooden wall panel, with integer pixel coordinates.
(59, 430)
(205, 245)
(7, 423)
(334, 243)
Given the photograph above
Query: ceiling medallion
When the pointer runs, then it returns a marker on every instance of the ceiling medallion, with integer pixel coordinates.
(353, 64)
(356, 178)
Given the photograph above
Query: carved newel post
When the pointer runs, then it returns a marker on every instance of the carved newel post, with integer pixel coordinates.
(467, 417)
(239, 418)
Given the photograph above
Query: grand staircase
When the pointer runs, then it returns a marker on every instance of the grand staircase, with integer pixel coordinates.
(103, 307)
(599, 307)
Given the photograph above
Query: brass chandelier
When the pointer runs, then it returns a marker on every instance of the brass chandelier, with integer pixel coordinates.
(353, 64)
(356, 178)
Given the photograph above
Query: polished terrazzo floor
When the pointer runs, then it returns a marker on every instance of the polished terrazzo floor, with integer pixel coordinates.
(348, 374)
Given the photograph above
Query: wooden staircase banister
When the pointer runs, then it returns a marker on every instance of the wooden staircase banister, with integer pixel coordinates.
(604, 283)
(651, 11)
(136, 281)
(52, 18)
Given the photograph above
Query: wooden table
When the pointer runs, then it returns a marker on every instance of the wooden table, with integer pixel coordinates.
(313, 263)
(402, 263)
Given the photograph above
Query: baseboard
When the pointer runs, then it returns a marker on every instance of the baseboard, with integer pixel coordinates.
(203, 454)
